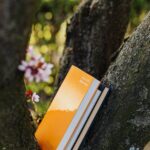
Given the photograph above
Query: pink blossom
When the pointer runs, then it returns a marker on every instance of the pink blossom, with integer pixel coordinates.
(35, 97)
(23, 65)
(36, 69)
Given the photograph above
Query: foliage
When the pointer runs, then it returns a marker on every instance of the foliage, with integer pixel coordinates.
(138, 10)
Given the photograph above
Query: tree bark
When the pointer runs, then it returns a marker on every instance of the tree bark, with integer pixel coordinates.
(95, 32)
(16, 131)
(124, 120)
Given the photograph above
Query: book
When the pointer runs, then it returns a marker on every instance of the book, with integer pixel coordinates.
(90, 119)
(83, 121)
(66, 110)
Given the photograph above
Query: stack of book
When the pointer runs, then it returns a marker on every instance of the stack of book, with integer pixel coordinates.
(71, 112)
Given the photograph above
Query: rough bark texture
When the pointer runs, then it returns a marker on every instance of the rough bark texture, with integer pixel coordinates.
(124, 122)
(16, 132)
(95, 32)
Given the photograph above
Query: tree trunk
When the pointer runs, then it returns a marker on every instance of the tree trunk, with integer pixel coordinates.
(16, 131)
(95, 32)
(124, 120)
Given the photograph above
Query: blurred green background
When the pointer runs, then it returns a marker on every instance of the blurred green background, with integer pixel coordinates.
(48, 39)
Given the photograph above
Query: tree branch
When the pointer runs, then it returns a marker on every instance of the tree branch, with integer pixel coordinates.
(16, 131)
(95, 32)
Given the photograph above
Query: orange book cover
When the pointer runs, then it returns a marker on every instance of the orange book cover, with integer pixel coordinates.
(63, 108)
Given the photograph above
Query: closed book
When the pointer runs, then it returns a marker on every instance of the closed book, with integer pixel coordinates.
(90, 119)
(83, 121)
(66, 110)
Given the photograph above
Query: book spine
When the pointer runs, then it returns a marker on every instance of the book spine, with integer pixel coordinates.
(91, 118)
(83, 121)
(78, 115)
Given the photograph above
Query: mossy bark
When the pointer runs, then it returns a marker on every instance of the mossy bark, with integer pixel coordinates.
(95, 32)
(16, 131)
(124, 121)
